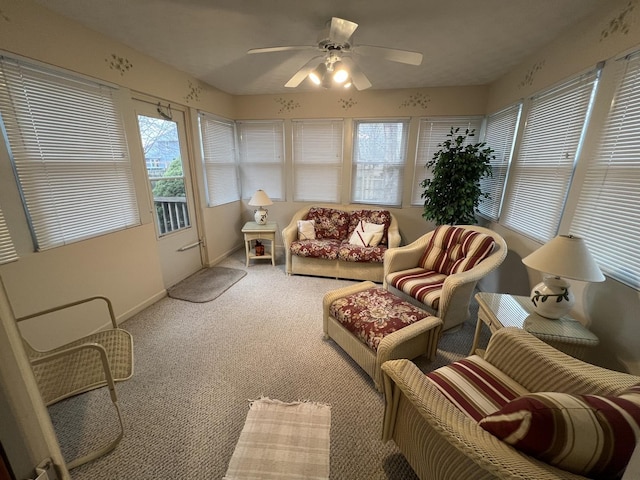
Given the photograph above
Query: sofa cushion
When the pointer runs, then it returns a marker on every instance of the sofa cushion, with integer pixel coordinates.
(379, 217)
(373, 314)
(306, 230)
(330, 223)
(367, 234)
(326, 249)
(588, 435)
(423, 285)
(455, 249)
(475, 387)
(356, 253)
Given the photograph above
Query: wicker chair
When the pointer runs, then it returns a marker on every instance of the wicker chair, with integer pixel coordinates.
(452, 298)
(440, 442)
(96, 360)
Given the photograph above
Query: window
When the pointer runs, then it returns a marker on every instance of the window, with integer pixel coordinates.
(67, 144)
(261, 146)
(7, 252)
(500, 137)
(432, 132)
(542, 170)
(317, 160)
(219, 160)
(379, 155)
(608, 210)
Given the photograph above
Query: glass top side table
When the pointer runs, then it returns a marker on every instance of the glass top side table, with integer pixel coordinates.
(498, 310)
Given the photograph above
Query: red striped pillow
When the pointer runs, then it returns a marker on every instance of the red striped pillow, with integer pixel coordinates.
(588, 435)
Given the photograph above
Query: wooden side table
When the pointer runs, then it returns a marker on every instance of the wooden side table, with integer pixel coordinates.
(499, 310)
(254, 231)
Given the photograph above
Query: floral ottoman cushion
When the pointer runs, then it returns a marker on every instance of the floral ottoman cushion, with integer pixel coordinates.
(374, 313)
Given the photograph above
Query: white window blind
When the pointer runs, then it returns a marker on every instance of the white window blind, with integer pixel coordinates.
(261, 146)
(69, 150)
(432, 133)
(542, 170)
(317, 160)
(608, 211)
(500, 137)
(7, 251)
(379, 156)
(219, 160)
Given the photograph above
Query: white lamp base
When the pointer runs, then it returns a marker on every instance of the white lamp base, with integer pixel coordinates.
(552, 298)
(261, 216)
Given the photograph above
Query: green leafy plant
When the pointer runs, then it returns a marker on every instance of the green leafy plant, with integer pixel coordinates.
(453, 194)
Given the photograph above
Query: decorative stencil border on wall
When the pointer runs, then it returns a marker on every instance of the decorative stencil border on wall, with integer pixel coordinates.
(419, 99)
(120, 64)
(530, 76)
(194, 92)
(620, 23)
(286, 105)
(347, 103)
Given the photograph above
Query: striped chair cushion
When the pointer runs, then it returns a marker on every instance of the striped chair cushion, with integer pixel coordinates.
(476, 387)
(588, 435)
(423, 285)
(455, 249)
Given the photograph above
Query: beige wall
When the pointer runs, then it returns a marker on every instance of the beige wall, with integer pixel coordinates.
(65, 272)
(610, 309)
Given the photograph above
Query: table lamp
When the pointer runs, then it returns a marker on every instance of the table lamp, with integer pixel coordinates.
(260, 199)
(564, 256)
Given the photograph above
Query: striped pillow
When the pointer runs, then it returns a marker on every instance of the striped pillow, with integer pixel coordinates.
(588, 435)
(455, 249)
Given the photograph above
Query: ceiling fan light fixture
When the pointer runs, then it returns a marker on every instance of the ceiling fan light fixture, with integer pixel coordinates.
(340, 72)
(318, 74)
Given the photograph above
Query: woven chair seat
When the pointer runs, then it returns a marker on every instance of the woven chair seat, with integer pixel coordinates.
(96, 360)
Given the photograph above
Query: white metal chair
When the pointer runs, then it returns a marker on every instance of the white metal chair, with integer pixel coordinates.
(96, 360)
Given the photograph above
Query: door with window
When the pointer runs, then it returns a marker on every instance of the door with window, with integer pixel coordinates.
(163, 140)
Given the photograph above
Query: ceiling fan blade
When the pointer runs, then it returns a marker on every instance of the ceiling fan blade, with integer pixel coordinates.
(301, 74)
(341, 30)
(282, 49)
(402, 56)
(358, 78)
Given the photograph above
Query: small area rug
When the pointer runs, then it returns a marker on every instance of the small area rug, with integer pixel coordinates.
(283, 441)
(206, 285)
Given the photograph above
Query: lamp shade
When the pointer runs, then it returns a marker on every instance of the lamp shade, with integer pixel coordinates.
(566, 256)
(260, 199)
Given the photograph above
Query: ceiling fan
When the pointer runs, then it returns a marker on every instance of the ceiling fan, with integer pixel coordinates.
(337, 66)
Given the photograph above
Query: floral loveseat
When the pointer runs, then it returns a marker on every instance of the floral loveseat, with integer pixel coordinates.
(346, 241)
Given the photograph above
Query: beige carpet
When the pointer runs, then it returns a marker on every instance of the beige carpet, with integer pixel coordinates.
(206, 285)
(283, 441)
(187, 402)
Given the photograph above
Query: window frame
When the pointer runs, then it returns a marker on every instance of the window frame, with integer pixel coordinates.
(534, 203)
(223, 189)
(385, 170)
(261, 164)
(317, 172)
(429, 143)
(69, 152)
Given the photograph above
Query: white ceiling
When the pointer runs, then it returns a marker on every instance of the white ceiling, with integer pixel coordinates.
(464, 42)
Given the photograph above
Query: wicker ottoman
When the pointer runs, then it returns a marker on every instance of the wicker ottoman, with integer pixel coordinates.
(372, 325)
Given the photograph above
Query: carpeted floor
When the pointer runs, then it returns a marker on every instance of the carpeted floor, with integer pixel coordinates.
(198, 364)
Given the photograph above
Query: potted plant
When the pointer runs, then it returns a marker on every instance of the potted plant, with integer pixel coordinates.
(453, 194)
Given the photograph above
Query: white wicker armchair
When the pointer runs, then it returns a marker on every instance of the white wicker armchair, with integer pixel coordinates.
(455, 294)
(440, 442)
(91, 362)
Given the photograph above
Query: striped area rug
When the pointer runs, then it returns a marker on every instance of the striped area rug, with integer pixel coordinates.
(282, 441)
